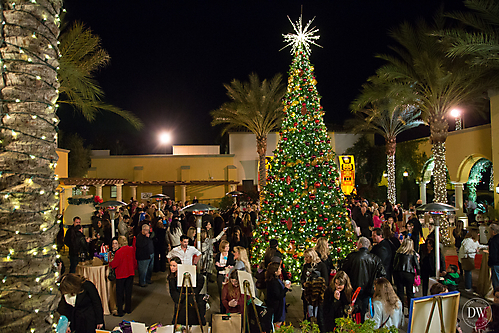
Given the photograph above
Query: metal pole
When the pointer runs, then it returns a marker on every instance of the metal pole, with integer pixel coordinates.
(437, 244)
(199, 222)
(113, 231)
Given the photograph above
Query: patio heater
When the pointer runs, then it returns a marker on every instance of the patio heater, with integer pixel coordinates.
(160, 197)
(198, 209)
(112, 206)
(234, 195)
(437, 209)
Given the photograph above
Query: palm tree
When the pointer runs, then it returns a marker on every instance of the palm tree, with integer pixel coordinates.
(438, 84)
(81, 57)
(255, 106)
(386, 117)
(29, 58)
(482, 42)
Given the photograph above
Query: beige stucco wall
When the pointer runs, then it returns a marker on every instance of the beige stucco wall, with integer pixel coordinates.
(461, 145)
(166, 168)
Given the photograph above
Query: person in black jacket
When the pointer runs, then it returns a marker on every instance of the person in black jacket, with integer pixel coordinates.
(71, 242)
(81, 304)
(144, 254)
(363, 268)
(384, 250)
(336, 299)
(428, 267)
(405, 266)
(494, 254)
(276, 293)
(364, 221)
(415, 229)
(160, 245)
(179, 300)
(224, 261)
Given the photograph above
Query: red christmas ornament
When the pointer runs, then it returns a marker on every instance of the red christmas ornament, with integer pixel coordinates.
(288, 181)
(297, 205)
(283, 221)
(320, 228)
(317, 184)
(291, 190)
(295, 256)
(325, 219)
(311, 196)
(290, 224)
(303, 222)
(293, 241)
(317, 121)
(303, 110)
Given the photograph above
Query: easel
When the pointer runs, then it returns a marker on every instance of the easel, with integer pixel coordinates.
(437, 300)
(247, 291)
(187, 283)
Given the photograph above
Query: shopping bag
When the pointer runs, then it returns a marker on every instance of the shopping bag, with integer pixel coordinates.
(226, 323)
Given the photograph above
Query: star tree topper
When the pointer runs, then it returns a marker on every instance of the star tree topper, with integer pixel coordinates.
(303, 37)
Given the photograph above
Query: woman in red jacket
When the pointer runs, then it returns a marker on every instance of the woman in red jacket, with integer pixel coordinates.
(124, 265)
(232, 299)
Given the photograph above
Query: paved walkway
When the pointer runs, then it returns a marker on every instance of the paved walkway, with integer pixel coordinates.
(153, 304)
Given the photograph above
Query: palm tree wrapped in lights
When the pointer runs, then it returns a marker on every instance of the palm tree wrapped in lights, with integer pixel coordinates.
(387, 117)
(29, 58)
(255, 106)
(438, 83)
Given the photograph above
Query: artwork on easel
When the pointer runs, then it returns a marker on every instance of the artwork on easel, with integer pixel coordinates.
(181, 270)
(435, 314)
(245, 276)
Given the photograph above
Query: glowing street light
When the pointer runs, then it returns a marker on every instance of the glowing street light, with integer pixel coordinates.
(456, 114)
(165, 138)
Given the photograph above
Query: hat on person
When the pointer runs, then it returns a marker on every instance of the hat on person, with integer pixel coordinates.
(273, 243)
(276, 259)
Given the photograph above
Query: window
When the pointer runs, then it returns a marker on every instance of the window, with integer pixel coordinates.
(114, 190)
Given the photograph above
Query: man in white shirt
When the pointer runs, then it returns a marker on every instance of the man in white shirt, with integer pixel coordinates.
(189, 255)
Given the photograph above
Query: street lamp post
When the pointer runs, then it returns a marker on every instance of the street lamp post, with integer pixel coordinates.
(456, 113)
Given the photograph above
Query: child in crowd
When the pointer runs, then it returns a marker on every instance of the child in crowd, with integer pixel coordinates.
(337, 297)
(451, 279)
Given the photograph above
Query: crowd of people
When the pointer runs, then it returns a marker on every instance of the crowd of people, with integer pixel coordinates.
(375, 282)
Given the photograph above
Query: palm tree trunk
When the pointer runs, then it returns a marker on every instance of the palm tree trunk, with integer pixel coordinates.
(390, 167)
(28, 200)
(261, 149)
(438, 134)
(391, 146)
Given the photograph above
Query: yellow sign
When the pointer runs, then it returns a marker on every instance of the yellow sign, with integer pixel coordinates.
(268, 165)
(347, 173)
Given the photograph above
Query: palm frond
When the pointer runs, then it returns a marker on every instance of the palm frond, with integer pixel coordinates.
(255, 106)
(81, 57)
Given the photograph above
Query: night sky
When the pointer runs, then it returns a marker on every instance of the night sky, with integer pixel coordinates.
(170, 59)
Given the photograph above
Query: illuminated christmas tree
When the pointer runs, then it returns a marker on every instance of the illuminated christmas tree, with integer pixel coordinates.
(303, 200)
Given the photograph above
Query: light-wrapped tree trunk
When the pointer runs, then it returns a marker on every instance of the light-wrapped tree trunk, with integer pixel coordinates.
(28, 199)
(390, 166)
(261, 149)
